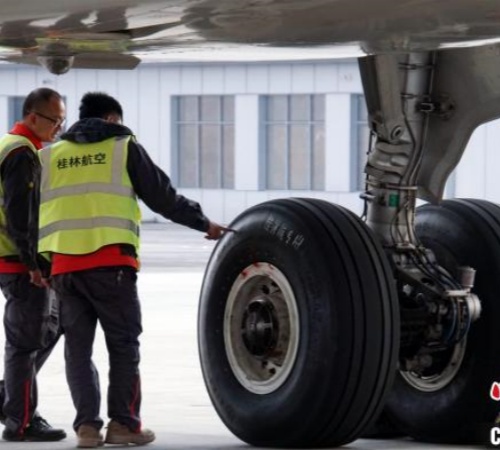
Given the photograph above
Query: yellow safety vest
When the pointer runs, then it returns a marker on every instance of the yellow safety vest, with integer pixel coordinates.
(8, 143)
(87, 199)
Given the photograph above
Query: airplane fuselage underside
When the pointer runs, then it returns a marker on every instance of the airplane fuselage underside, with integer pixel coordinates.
(373, 25)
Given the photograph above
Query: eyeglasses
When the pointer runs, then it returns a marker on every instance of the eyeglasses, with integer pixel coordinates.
(55, 122)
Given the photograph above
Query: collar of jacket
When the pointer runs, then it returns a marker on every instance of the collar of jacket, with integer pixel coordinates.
(20, 129)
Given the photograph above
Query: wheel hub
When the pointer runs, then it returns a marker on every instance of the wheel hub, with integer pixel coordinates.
(440, 372)
(260, 327)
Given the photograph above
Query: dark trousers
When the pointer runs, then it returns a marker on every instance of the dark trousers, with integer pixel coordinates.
(31, 332)
(107, 295)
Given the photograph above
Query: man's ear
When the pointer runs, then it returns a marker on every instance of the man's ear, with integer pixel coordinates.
(30, 117)
(113, 118)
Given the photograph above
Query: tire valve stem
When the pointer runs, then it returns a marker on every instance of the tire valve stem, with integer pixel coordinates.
(467, 276)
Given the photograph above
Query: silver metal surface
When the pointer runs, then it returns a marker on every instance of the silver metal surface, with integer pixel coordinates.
(261, 328)
(436, 381)
(100, 34)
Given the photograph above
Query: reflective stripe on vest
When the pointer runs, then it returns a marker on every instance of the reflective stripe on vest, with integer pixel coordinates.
(8, 143)
(62, 232)
(85, 189)
(87, 224)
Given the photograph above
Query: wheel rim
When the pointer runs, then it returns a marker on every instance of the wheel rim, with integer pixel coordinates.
(434, 380)
(261, 328)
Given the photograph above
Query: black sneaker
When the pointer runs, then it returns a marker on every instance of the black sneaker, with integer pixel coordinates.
(37, 431)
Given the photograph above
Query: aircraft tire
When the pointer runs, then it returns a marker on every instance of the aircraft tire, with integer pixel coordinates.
(298, 325)
(458, 409)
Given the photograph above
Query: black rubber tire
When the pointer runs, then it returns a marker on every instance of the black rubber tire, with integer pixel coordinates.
(461, 233)
(384, 427)
(349, 325)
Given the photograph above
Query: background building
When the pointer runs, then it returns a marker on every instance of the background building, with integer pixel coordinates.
(231, 135)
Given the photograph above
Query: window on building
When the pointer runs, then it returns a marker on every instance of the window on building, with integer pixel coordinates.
(359, 142)
(15, 105)
(203, 142)
(294, 141)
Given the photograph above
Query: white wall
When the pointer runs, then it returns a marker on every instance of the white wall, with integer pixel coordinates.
(477, 173)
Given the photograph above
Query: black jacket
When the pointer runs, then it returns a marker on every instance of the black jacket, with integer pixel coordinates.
(20, 173)
(150, 183)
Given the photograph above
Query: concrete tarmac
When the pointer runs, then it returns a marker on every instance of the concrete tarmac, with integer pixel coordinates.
(175, 403)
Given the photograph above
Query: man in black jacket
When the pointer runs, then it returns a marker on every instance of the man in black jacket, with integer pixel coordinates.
(99, 166)
(28, 340)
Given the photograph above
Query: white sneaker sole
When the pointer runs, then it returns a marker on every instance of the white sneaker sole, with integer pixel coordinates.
(90, 443)
(125, 440)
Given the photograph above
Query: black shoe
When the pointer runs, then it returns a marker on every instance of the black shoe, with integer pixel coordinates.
(2, 401)
(37, 431)
(13, 436)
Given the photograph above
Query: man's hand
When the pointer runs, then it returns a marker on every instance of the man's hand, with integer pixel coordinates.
(215, 231)
(37, 279)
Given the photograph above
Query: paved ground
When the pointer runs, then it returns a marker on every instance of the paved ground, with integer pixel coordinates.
(175, 403)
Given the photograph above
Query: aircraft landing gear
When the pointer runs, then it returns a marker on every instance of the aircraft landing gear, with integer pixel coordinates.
(307, 313)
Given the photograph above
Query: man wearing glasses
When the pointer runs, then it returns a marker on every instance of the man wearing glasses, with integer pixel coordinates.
(28, 341)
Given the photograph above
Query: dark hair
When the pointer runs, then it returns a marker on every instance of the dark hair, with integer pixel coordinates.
(38, 98)
(100, 105)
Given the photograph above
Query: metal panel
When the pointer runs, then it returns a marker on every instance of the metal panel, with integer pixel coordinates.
(472, 170)
(302, 79)
(86, 80)
(247, 162)
(257, 79)
(170, 79)
(149, 107)
(235, 79)
(25, 77)
(8, 80)
(107, 81)
(212, 80)
(338, 142)
(66, 86)
(349, 79)
(128, 95)
(326, 77)
(191, 80)
(492, 160)
(280, 78)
